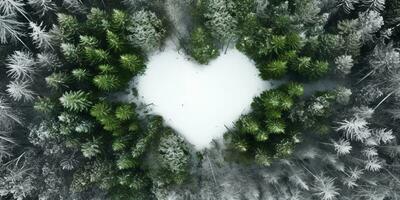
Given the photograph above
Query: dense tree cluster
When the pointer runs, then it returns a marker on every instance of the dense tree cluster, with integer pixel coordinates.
(101, 60)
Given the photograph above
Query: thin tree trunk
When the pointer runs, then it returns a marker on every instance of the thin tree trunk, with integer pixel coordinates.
(366, 76)
(383, 100)
(212, 170)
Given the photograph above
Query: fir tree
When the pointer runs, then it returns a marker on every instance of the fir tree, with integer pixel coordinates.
(146, 30)
(42, 7)
(44, 105)
(80, 74)
(91, 149)
(68, 25)
(114, 41)
(21, 65)
(94, 55)
(10, 29)
(70, 52)
(106, 82)
(57, 80)
(274, 70)
(125, 112)
(41, 38)
(132, 63)
(19, 90)
(202, 48)
(76, 100)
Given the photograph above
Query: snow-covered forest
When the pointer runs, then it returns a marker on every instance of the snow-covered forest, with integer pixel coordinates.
(89, 110)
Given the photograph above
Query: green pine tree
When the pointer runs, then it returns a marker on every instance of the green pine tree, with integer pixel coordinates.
(132, 63)
(125, 112)
(57, 80)
(76, 100)
(274, 70)
(202, 48)
(107, 82)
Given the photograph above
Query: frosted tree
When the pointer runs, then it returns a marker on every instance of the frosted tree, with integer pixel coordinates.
(47, 60)
(347, 5)
(219, 19)
(147, 30)
(373, 165)
(370, 22)
(17, 180)
(356, 128)
(20, 91)
(41, 38)
(42, 6)
(91, 148)
(9, 7)
(6, 145)
(21, 65)
(383, 136)
(135, 4)
(325, 188)
(10, 29)
(344, 64)
(342, 147)
(8, 115)
(383, 58)
(174, 155)
(74, 6)
(377, 5)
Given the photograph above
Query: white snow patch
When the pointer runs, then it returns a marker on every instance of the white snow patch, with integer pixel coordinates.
(200, 101)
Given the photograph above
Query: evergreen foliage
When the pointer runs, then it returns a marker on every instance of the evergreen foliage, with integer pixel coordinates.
(202, 47)
(337, 144)
(76, 100)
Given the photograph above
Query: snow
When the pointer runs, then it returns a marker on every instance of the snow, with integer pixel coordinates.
(200, 101)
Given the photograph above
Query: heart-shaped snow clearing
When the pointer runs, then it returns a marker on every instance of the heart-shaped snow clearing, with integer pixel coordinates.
(200, 101)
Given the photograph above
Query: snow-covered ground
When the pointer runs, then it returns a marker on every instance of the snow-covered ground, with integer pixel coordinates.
(200, 101)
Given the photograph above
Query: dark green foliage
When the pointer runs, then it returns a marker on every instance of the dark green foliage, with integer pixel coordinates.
(96, 20)
(125, 112)
(107, 82)
(310, 70)
(107, 69)
(88, 41)
(295, 89)
(80, 74)
(100, 60)
(101, 110)
(70, 52)
(274, 70)
(91, 148)
(314, 114)
(201, 47)
(69, 25)
(95, 56)
(275, 44)
(268, 132)
(57, 80)
(45, 105)
(114, 41)
(279, 116)
(126, 161)
(132, 63)
(119, 20)
(76, 101)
